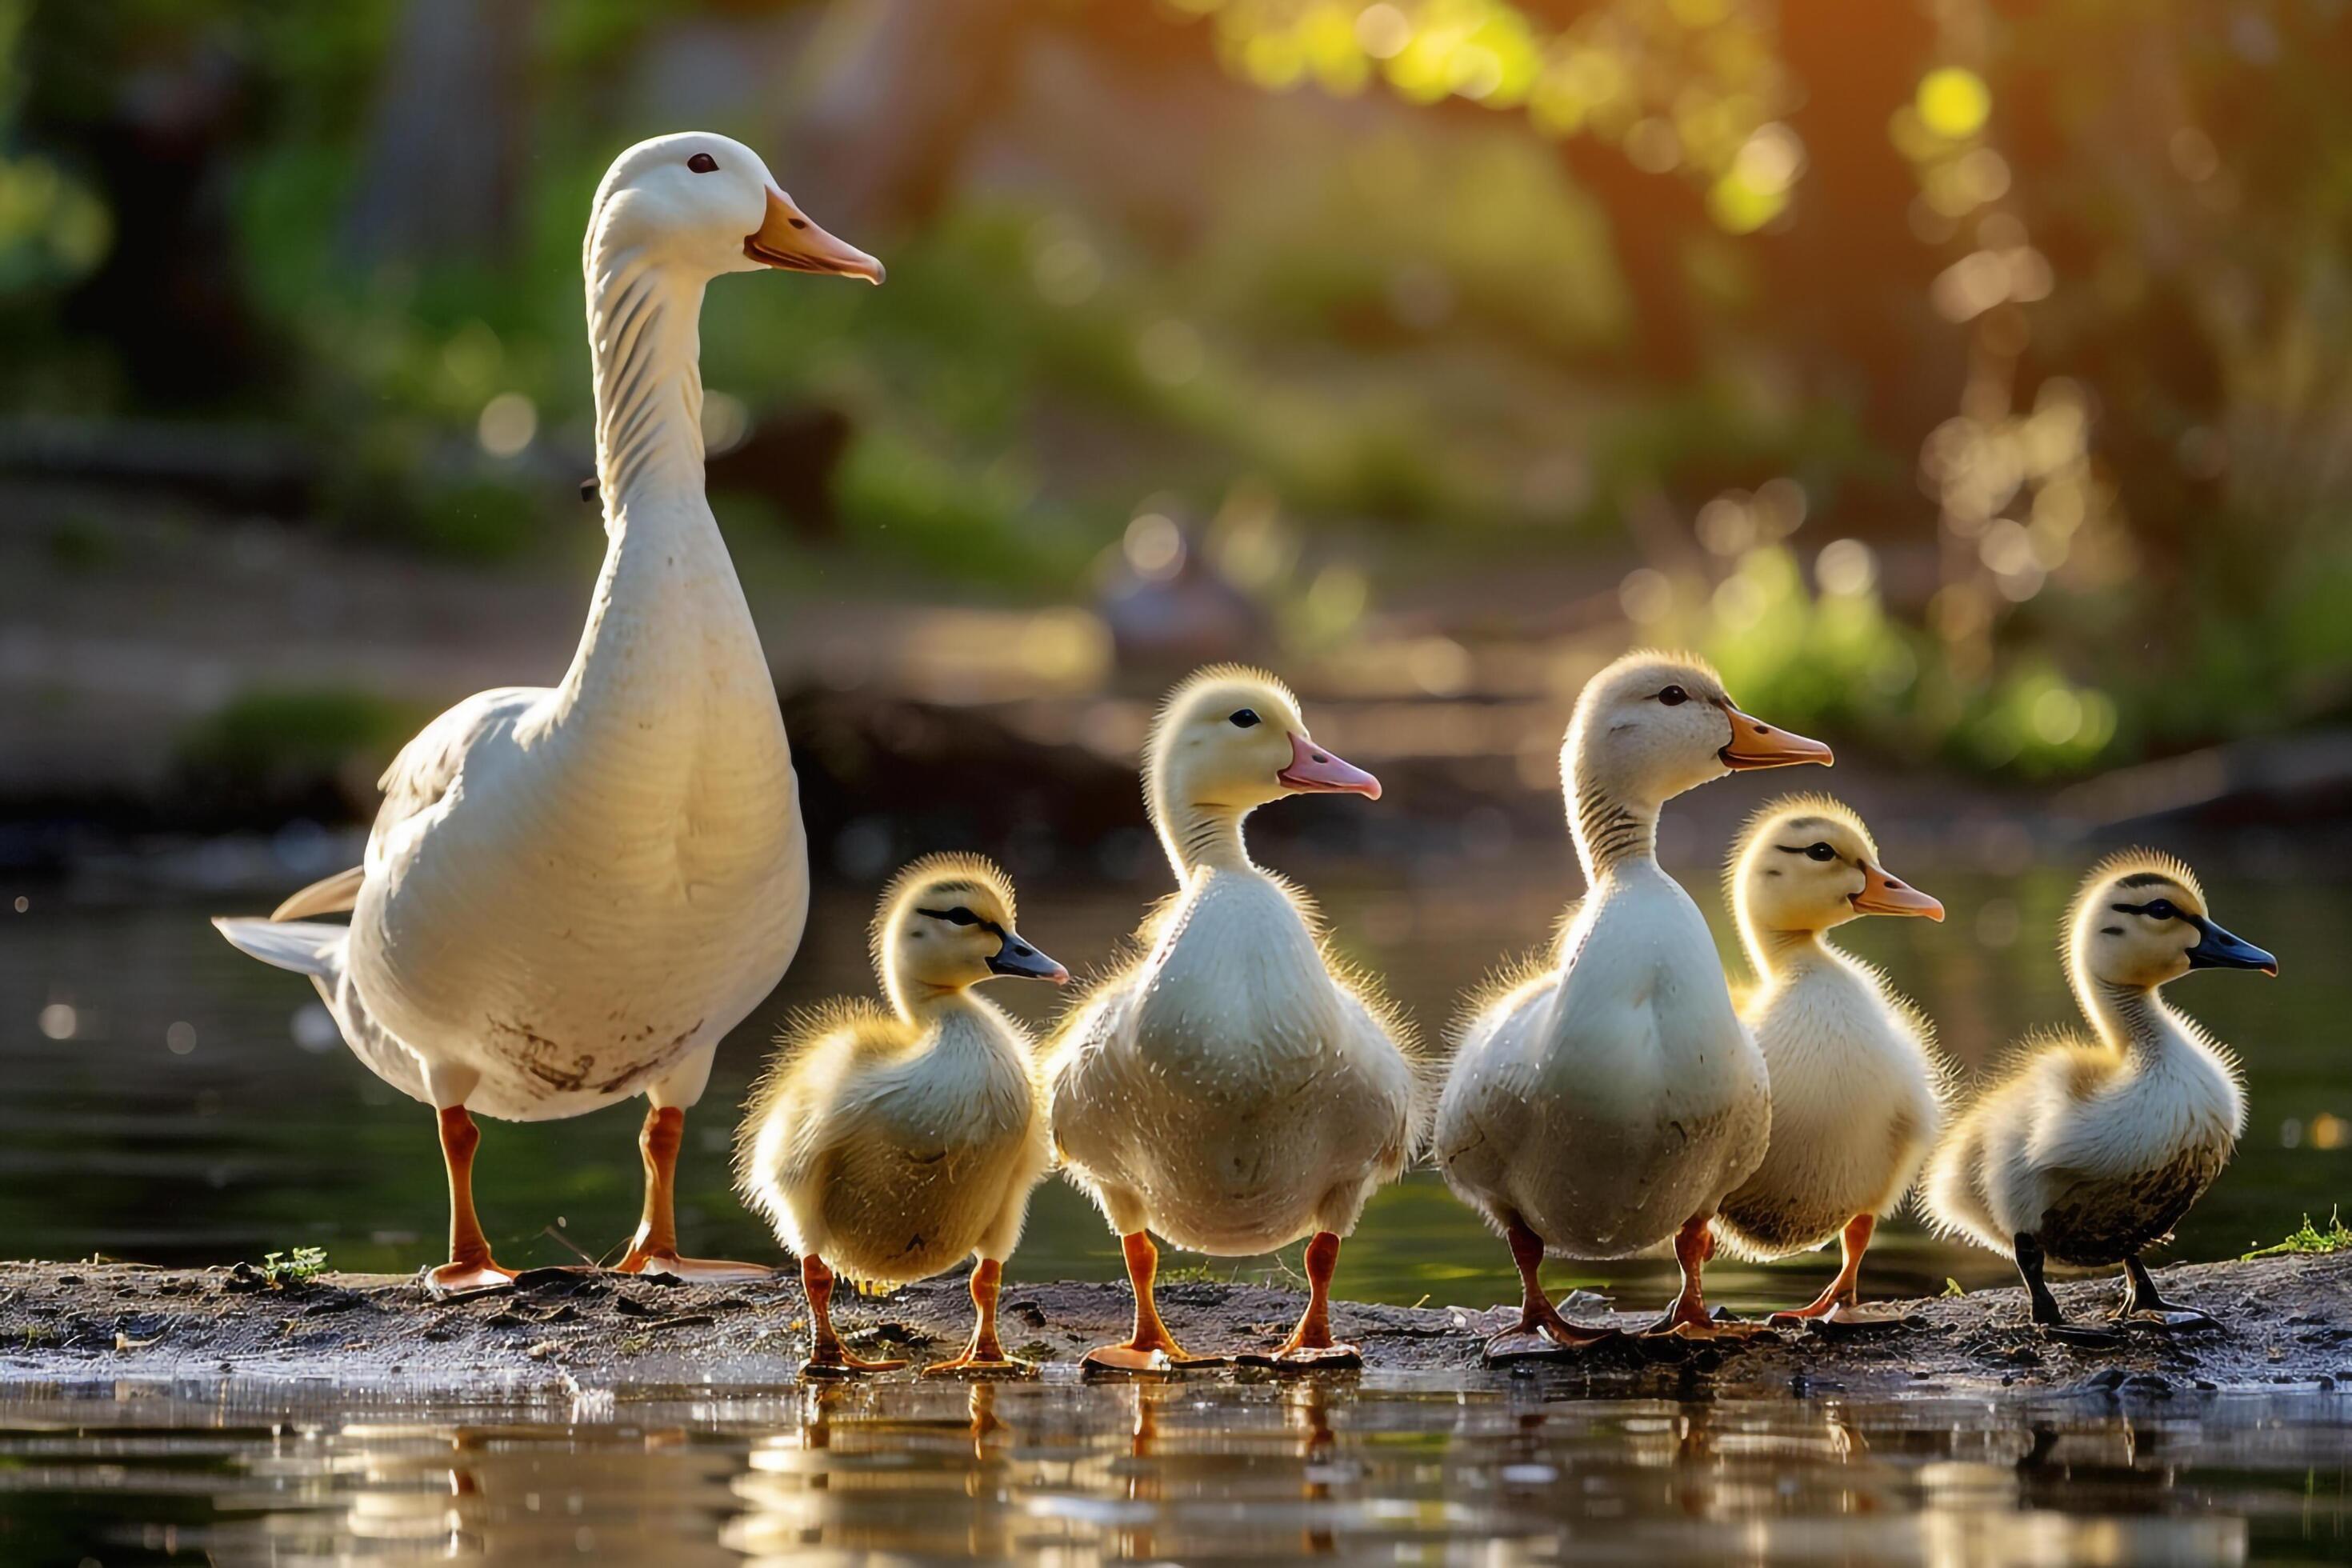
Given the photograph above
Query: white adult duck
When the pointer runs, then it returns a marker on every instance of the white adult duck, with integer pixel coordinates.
(2088, 1151)
(1228, 1089)
(571, 893)
(1857, 1092)
(1608, 1100)
(888, 1145)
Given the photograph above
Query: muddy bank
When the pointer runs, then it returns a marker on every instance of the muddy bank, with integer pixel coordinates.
(2285, 1322)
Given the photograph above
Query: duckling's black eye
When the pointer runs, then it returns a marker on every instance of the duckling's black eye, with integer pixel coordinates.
(1674, 696)
(958, 916)
(1246, 719)
(703, 164)
(1820, 852)
(2159, 910)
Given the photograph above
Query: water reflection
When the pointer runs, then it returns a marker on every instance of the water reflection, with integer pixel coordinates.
(1394, 1468)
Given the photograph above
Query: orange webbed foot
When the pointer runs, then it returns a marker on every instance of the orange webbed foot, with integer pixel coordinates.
(836, 1361)
(693, 1270)
(981, 1366)
(451, 1280)
(1132, 1359)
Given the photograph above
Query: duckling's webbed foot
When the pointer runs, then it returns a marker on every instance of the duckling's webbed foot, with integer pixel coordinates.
(984, 1357)
(1310, 1347)
(2047, 1317)
(828, 1357)
(2145, 1308)
(1838, 1309)
(1150, 1349)
(1688, 1317)
(1541, 1335)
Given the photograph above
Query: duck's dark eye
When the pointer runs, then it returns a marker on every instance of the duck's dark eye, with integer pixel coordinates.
(1246, 719)
(1674, 696)
(1820, 852)
(958, 916)
(703, 164)
(2159, 910)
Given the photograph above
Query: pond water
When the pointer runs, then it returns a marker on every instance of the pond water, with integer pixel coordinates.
(1387, 1470)
(171, 1101)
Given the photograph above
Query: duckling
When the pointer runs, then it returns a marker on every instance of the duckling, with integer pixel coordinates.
(1609, 1099)
(1857, 1096)
(2088, 1151)
(1229, 1089)
(888, 1144)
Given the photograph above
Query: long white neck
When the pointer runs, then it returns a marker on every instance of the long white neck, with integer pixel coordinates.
(1614, 826)
(646, 344)
(668, 602)
(1195, 834)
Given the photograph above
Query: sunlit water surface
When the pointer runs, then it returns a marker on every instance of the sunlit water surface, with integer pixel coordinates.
(1063, 1472)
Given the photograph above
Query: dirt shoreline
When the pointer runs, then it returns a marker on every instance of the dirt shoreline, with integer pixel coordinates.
(2284, 1322)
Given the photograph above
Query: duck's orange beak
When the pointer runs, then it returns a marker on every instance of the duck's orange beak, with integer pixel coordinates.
(787, 239)
(1756, 745)
(1314, 771)
(1883, 895)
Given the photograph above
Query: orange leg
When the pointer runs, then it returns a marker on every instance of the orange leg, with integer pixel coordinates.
(1310, 1346)
(1841, 1298)
(1687, 1317)
(654, 1249)
(1151, 1348)
(827, 1356)
(986, 1352)
(1539, 1321)
(470, 1266)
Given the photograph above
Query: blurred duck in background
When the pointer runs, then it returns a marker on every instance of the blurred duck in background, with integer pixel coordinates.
(1229, 1089)
(571, 893)
(887, 1144)
(2088, 1151)
(1607, 1099)
(1857, 1092)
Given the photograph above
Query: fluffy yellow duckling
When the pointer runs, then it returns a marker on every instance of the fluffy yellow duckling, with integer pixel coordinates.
(1608, 1099)
(2086, 1152)
(1228, 1089)
(888, 1144)
(1857, 1093)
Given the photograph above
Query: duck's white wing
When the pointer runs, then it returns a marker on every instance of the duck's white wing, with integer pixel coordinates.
(332, 895)
(1389, 1058)
(431, 766)
(1083, 1077)
(417, 780)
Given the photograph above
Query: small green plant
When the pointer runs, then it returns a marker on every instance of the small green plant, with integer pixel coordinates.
(2336, 1237)
(1952, 1288)
(305, 1264)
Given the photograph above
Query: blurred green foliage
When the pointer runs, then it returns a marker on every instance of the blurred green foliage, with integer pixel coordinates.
(2063, 354)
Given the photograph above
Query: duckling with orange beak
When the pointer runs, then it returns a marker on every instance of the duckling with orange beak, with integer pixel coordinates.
(1606, 1101)
(1230, 1089)
(1857, 1091)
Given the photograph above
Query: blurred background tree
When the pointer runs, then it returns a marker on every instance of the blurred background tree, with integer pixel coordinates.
(1970, 376)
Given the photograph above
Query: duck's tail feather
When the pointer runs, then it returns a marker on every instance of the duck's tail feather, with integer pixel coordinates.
(333, 895)
(306, 947)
